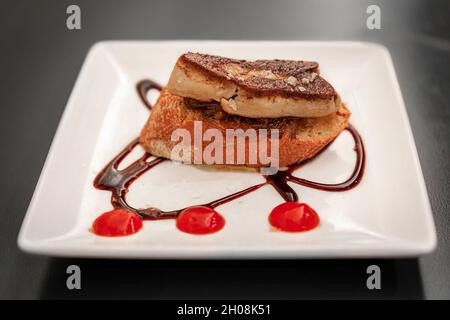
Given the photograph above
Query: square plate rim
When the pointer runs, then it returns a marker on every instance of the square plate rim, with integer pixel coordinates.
(401, 250)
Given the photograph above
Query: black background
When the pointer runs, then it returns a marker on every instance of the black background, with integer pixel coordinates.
(39, 62)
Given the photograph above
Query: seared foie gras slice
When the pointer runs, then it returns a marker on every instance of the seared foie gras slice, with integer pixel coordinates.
(255, 89)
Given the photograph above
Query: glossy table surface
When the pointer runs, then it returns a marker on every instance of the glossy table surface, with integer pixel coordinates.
(40, 60)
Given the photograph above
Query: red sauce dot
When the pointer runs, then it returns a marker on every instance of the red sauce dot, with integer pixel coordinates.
(200, 220)
(117, 223)
(294, 217)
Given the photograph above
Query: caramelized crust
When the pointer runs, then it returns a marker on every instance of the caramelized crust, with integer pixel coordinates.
(264, 77)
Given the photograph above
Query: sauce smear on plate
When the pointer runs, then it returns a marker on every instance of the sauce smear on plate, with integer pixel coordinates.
(117, 223)
(200, 220)
(294, 217)
(291, 216)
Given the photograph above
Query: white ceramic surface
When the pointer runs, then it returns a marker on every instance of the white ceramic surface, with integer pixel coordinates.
(388, 214)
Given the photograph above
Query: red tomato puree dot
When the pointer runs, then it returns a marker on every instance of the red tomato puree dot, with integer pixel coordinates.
(200, 220)
(294, 217)
(117, 223)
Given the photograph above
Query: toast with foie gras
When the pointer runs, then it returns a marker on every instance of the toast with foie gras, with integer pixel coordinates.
(299, 138)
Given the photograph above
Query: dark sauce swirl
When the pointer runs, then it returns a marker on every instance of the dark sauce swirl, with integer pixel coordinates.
(143, 87)
(118, 181)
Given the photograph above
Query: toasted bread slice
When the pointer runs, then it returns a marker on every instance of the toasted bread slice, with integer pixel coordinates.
(299, 138)
(255, 89)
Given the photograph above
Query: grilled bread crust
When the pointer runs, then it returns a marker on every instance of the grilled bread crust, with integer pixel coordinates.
(255, 89)
(299, 138)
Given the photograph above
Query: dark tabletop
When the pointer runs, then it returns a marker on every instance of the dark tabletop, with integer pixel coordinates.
(40, 60)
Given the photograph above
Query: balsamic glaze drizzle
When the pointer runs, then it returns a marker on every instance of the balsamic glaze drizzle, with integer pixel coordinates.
(118, 181)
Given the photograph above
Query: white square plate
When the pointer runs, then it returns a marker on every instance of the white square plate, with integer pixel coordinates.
(388, 214)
